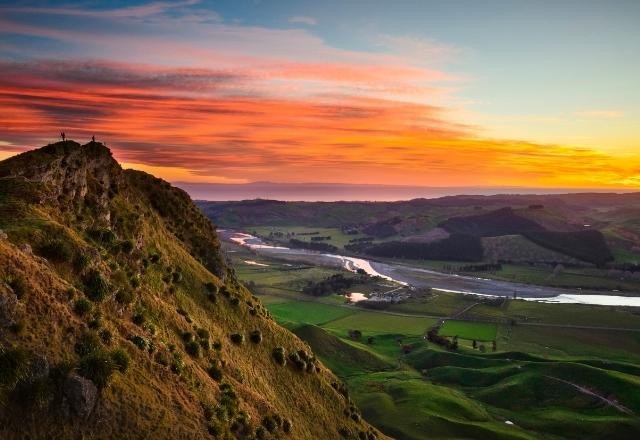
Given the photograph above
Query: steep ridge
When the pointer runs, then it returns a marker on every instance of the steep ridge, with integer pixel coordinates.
(119, 317)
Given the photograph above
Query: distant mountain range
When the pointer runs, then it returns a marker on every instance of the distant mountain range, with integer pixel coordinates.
(330, 192)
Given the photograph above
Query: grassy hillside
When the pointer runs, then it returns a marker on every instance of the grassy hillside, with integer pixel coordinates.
(120, 319)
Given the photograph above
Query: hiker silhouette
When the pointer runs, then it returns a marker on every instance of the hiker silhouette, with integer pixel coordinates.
(93, 138)
(63, 136)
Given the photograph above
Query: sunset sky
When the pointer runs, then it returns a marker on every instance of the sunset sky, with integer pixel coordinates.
(407, 92)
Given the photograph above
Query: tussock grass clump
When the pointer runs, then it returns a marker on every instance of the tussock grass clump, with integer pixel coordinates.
(55, 250)
(81, 261)
(211, 288)
(14, 366)
(104, 236)
(215, 372)
(87, 343)
(98, 367)
(279, 355)
(97, 286)
(297, 361)
(82, 307)
(237, 338)
(177, 364)
(120, 359)
(255, 336)
(127, 246)
(139, 318)
(106, 336)
(192, 348)
(139, 342)
(125, 296)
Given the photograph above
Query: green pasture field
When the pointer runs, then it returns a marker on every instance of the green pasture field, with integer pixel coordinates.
(298, 312)
(376, 323)
(478, 331)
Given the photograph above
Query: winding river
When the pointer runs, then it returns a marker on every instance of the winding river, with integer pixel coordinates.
(408, 275)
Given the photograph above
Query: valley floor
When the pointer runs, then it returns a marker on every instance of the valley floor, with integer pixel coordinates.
(538, 370)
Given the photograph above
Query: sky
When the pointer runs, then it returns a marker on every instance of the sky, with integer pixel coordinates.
(453, 93)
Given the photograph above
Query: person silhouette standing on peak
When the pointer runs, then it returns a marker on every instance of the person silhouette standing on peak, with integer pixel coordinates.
(63, 136)
(93, 138)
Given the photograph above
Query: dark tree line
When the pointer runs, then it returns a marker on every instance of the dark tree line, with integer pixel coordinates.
(586, 245)
(312, 245)
(457, 247)
(337, 283)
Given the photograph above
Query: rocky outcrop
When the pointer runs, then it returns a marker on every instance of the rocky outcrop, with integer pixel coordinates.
(73, 174)
(80, 395)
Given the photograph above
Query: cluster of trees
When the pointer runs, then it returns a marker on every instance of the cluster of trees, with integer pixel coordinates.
(499, 222)
(312, 245)
(588, 245)
(450, 344)
(320, 238)
(361, 240)
(337, 283)
(486, 267)
(383, 229)
(456, 247)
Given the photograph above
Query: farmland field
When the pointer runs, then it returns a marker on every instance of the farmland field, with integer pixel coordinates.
(469, 330)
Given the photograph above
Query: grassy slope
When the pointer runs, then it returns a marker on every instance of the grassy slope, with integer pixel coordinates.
(136, 403)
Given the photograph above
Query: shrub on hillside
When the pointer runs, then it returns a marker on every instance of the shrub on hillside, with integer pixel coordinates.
(177, 364)
(87, 343)
(82, 307)
(81, 261)
(125, 296)
(120, 359)
(55, 250)
(139, 318)
(139, 342)
(106, 336)
(192, 348)
(237, 338)
(98, 367)
(279, 355)
(215, 372)
(127, 246)
(102, 235)
(255, 336)
(14, 365)
(96, 285)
